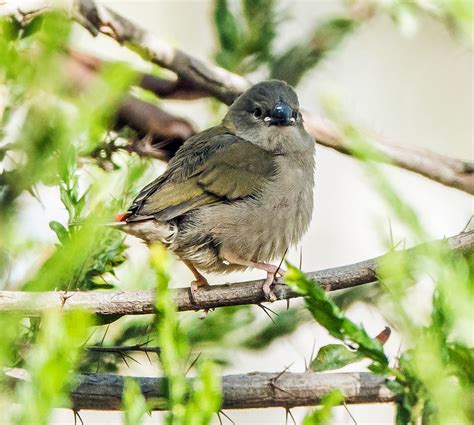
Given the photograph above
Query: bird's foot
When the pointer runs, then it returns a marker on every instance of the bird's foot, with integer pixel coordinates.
(267, 287)
(195, 286)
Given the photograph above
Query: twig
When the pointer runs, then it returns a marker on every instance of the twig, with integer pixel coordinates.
(229, 294)
(117, 349)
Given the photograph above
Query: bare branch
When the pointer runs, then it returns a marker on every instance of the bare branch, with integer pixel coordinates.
(142, 302)
(246, 391)
(159, 134)
(443, 169)
(200, 77)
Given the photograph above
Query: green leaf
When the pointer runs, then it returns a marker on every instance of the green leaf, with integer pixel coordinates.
(187, 403)
(60, 231)
(227, 26)
(322, 415)
(334, 356)
(302, 56)
(328, 315)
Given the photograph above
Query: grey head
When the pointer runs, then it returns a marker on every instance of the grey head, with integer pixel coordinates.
(268, 115)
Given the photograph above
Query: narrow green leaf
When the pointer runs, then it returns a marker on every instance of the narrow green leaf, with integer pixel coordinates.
(133, 402)
(227, 26)
(328, 315)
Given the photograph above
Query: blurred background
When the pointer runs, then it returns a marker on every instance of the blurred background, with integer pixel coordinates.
(408, 77)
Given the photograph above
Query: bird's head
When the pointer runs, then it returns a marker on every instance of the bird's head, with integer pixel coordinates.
(265, 113)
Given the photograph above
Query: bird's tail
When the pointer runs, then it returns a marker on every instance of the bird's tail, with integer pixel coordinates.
(119, 221)
(146, 228)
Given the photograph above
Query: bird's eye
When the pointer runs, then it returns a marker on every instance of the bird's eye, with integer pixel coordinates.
(257, 112)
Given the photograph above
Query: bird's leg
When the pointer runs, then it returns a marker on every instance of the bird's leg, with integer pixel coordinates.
(271, 270)
(199, 282)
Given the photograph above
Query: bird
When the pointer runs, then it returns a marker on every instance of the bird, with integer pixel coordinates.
(236, 195)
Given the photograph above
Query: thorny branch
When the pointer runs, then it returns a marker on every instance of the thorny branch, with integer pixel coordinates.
(122, 349)
(142, 302)
(245, 391)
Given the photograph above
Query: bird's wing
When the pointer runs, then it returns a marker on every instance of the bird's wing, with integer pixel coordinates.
(211, 167)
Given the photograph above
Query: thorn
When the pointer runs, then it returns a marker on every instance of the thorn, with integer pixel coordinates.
(288, 413)
(283, 371)
(301, 257)
(266, 312)
(148, 357)
(280, 389)
(350, 414)
(77, 416)
(128, 356)
(227, 416)
(307, 366)
(269, 309)
(124, 359)
(64, 298)
(468, 224)
(192, 363)
(88, 338)
(100, 345)
(281, 262)
(273, 380)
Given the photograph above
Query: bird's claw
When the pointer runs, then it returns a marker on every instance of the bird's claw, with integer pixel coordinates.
(194, 288)
(267, 287)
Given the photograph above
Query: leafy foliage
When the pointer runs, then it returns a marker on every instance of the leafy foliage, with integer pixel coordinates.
(245, 38)
(53, 136)
(50, 364)
(47, 132)
(247, 34)
(134, 404)
(301, 57)
(188, 403)
(429, 366)
(328, 315)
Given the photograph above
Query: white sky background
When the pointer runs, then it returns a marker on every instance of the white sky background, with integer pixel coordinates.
(415, 90)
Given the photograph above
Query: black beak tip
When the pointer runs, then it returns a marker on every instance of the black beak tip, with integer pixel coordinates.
(281, 114)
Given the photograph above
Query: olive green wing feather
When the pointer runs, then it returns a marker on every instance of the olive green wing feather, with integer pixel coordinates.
(237, 171)
(220, 168)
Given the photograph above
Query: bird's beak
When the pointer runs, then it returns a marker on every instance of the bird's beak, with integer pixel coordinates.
(282, 114)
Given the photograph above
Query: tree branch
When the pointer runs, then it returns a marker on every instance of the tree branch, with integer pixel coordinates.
(449, 171)
(201, 77)
(143, 348)
(157, 133)
(142, 302)
(99, 391)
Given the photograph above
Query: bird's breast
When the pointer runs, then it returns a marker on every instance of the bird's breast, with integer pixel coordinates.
(264, 227)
